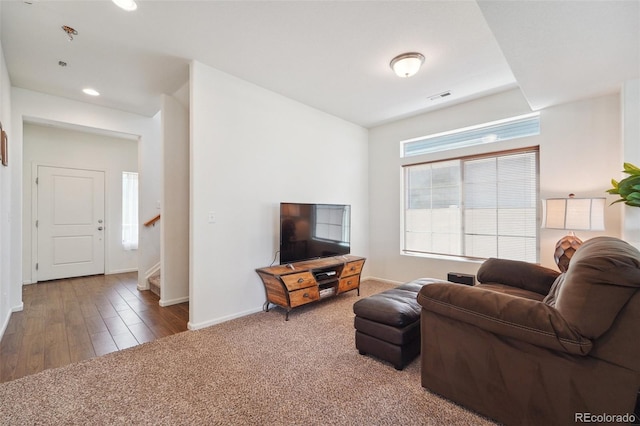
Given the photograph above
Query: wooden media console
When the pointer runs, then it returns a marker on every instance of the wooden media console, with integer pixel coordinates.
(299, 283)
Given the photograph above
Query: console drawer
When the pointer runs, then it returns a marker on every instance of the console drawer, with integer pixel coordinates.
(301, 297)
(352, 268)
(297, 281)
(348, 283)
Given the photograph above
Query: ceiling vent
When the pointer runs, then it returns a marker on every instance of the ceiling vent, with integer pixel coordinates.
(440, 96)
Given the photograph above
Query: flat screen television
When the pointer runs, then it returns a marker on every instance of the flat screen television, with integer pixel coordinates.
(310, 231)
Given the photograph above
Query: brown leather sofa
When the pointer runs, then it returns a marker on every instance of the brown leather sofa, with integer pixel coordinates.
(530, 346)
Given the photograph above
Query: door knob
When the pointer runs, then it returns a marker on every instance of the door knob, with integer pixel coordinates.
(99, 228)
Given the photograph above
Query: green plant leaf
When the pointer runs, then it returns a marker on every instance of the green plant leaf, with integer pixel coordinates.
(628, 188)
(625, 187)
(631, 169)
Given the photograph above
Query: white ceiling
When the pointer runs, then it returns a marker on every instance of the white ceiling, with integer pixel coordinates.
(331, 55)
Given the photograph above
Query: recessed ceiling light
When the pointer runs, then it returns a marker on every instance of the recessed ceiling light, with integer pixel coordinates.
(91, 92)
(128, 5)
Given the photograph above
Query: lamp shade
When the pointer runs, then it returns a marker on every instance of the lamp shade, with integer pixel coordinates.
(574, 213)
(407, 64)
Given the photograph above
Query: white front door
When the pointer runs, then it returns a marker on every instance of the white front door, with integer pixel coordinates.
(70, 223)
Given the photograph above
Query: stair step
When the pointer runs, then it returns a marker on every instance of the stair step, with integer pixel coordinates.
(154, 283)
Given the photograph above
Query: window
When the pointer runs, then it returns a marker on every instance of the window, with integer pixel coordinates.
(501, 130)
(130, 210)
(484, 206)
(332, 223)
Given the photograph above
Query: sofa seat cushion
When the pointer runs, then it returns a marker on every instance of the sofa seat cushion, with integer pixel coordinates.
(396, 307)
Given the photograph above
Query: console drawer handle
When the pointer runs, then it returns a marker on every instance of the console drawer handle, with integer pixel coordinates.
(305, 295)
(300, 280)
(353, 268)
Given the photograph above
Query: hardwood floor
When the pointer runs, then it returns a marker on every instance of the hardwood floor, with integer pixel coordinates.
(66, 321)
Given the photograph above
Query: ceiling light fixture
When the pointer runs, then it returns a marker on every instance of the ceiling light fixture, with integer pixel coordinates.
(407, 64)
(91, 92)
(128, 5)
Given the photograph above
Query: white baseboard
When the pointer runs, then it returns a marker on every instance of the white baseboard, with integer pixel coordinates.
(197, 326)
(143, 284)
(5, 323)
(121, 271)
(155, 268)
(384, 280)
(164, 303)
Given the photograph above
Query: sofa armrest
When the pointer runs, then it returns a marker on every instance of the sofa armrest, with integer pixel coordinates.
(503, 314)
(519, 274)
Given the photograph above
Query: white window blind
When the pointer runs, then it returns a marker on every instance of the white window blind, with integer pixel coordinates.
(474, 207)
(501, 130)
(130, 210)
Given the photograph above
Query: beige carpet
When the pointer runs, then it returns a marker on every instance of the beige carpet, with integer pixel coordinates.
(255, 370)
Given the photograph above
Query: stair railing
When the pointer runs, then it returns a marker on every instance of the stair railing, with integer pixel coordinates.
(152, 222)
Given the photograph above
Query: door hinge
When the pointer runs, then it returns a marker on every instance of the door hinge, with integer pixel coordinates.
(37, 223)
(36, 266)
(36, 181)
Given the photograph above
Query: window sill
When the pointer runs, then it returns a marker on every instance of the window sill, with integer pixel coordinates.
(443, 257)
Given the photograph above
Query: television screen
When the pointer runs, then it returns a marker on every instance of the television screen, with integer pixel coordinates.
(309, 231)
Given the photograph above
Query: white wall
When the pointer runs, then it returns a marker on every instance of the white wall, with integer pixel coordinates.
(10, 295)
(51, 146)
(579, 150)
(250, 150)
(174, 286)
(150, 188)
(631, 154)
(37, 107)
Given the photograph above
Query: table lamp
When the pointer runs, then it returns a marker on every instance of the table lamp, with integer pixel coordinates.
(573, 214)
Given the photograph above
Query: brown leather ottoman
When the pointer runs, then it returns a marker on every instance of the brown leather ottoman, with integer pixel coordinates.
(388, 324)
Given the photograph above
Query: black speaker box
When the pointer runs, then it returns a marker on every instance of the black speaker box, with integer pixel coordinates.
(467, 279)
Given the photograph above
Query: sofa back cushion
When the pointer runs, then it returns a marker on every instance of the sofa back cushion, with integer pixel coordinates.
(603, 275)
